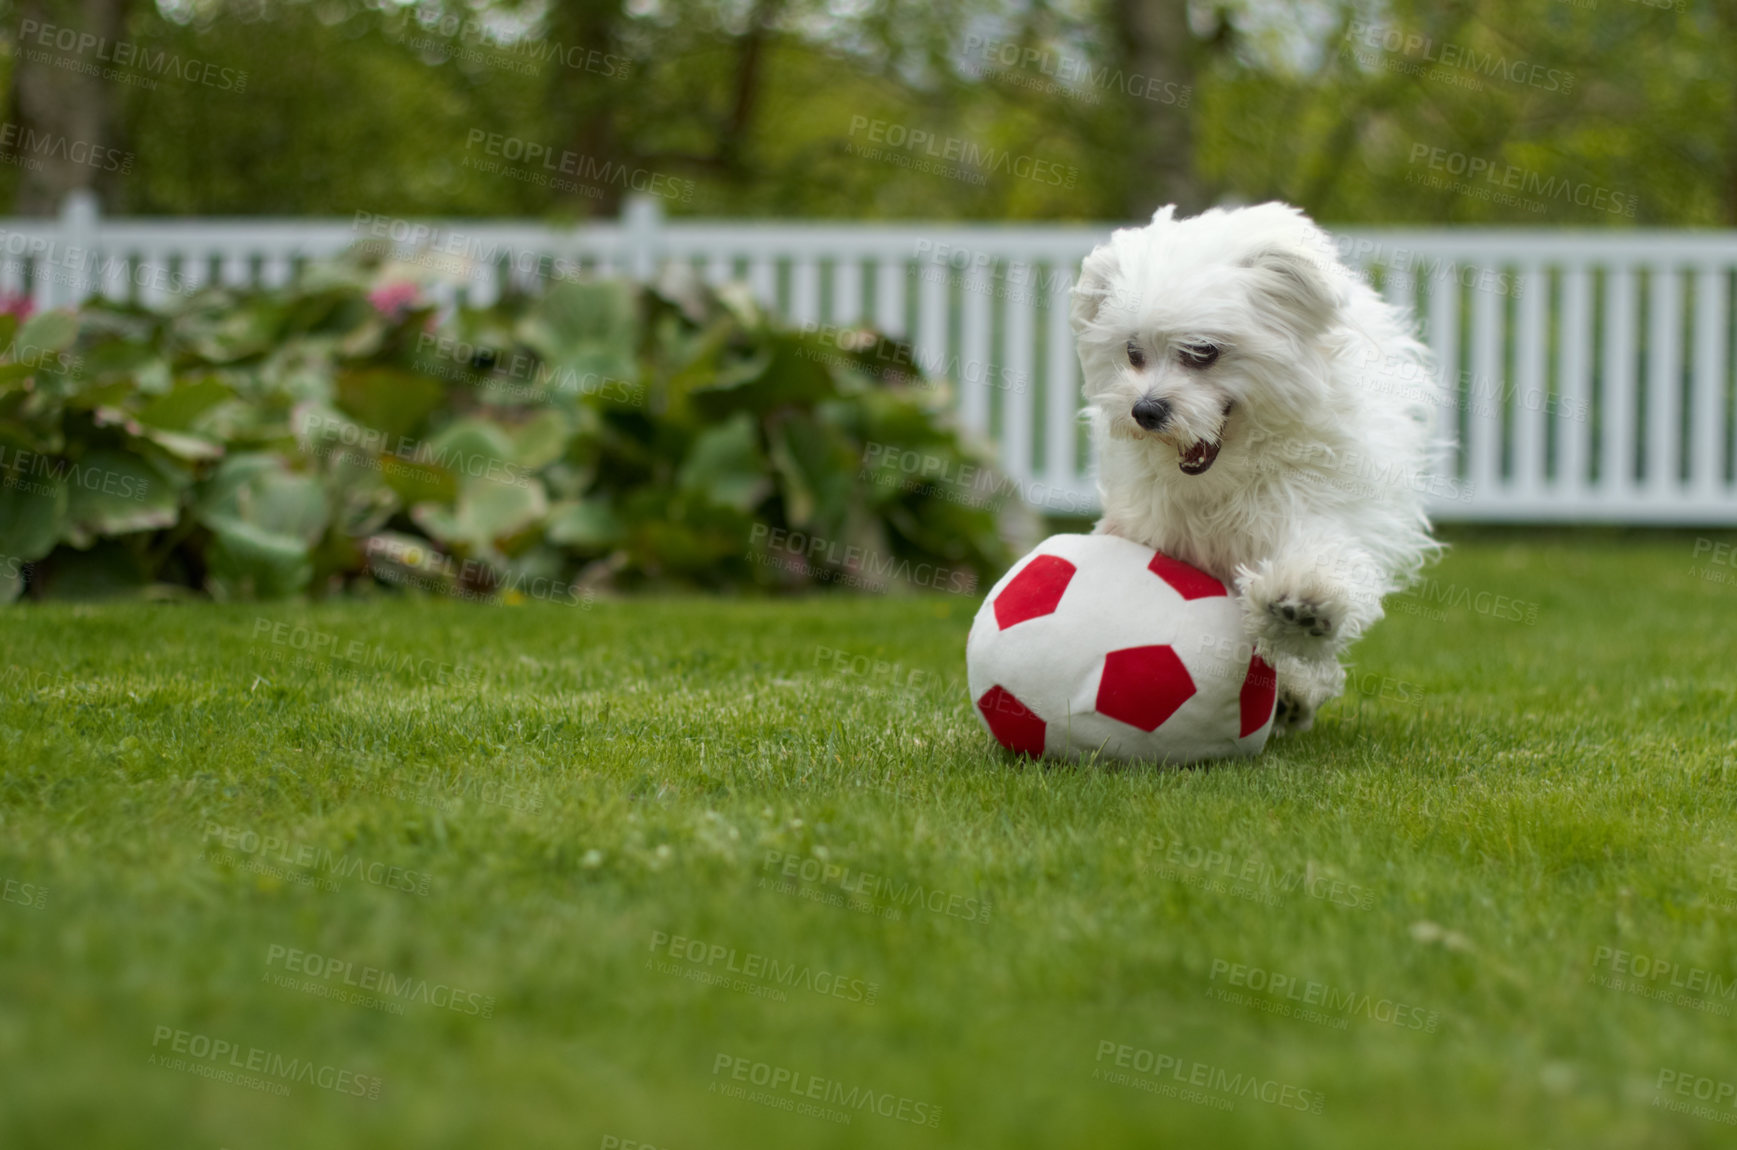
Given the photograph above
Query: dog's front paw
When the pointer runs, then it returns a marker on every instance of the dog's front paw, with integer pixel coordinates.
(1303, 689)
(1299, 606)
(1304, 615)
(1284, 620)
(1292, 714)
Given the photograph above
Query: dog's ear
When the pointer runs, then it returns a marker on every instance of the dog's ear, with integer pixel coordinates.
(1097, 273)
(1295, 281)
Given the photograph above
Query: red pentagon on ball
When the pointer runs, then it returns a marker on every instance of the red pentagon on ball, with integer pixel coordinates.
(1014, 725)
(1190, 582)
(1259, 691)
(1034, 592)
(1143, 686)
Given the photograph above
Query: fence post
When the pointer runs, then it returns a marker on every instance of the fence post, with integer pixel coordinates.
(641, 227)
(79, 217)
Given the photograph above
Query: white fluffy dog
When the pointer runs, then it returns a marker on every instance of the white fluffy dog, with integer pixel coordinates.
(1260, 413)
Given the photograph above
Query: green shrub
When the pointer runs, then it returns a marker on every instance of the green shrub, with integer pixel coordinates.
(333, 435)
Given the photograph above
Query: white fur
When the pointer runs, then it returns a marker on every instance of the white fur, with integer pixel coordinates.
(1313, 507)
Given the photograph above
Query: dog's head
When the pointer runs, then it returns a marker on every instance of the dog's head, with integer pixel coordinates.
(1182, 324)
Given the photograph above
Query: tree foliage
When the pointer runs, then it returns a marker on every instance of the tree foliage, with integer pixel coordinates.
(1356, 109)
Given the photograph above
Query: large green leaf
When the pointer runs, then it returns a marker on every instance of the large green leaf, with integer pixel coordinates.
(588, 327)
(786, 371)
(503, 509)
(48, 331)
(800, 503)
(93, 395)
(190, 448)
(488, 518)
(542, 439)
(224, 328)
(365, 339)
(726, 465)
(113, 493)
(413, 481)
(393, 401)
(135, 362)
(817, 468)
(589, 524)
(335, 307)
(14, 374)
(32, 512)
(261, 491)
(247, 560)
(416, 482)
(29, 422)
(184, 404)
(474, 449)
(672, 536)
(302, 368)
(322, 431)
(265, 519)
(363, 493)
(696, 358)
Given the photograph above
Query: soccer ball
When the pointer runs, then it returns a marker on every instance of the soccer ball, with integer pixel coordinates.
(1095, 644)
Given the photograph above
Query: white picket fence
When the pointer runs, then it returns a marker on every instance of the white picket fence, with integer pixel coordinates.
(1591, 372)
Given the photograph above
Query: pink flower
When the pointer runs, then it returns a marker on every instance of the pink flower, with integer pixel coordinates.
(18, 305)
(394, 299)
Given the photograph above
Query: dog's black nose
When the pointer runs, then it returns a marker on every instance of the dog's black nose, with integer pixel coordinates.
(1151, 413)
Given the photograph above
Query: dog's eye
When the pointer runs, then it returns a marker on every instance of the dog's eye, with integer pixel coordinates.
(1135, 355)
(1197, 354)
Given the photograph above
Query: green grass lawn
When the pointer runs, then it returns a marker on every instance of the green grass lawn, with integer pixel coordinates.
(490, 826)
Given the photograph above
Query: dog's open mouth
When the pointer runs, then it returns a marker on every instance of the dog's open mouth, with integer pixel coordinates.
(1198, 459)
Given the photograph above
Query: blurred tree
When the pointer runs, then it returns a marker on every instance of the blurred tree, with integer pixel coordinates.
(585, 115)
(64, 131)
(1156, 47)
(1624, 105)
(329, 108)
(981, 109)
